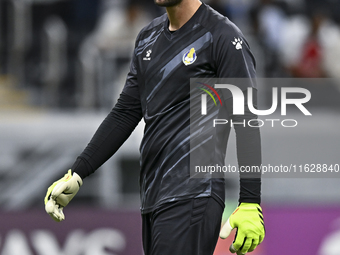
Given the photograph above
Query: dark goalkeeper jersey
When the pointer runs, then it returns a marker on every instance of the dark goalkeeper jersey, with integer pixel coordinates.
(157, 89)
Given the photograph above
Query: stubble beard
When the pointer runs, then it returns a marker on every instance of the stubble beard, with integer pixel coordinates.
(167, 3)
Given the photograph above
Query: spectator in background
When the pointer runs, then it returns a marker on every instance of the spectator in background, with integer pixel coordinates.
(116, 33)
(329, 37)
(109, 33)
(311, 61)
(267, 20)
(110, 45)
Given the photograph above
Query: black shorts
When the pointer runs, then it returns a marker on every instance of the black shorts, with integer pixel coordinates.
(188, 227)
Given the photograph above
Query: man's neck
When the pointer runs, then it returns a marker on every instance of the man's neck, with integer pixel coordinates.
(181, 13)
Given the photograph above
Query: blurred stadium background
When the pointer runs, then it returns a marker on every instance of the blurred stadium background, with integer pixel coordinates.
(62, 66)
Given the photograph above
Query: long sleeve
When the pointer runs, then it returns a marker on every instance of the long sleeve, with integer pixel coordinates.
(237, 64)
(111, 134)
(248, 142)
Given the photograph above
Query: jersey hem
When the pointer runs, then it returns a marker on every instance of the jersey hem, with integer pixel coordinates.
(180, 198)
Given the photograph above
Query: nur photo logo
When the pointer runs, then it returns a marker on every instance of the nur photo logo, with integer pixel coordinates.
(279, 100)
(204, 97)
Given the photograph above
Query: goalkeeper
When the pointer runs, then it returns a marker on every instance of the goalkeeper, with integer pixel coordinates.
(180, 215)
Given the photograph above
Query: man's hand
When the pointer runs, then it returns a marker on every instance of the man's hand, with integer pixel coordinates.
(60, 193)
(248, 220)
(54, 210)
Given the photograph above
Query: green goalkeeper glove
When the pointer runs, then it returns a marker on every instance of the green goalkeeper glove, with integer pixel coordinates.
(60, 193)
(248, 220)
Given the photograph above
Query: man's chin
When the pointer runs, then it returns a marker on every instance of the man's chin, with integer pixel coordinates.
(167, 3)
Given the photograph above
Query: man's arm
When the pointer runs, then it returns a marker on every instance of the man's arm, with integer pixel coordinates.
(248, 143)
(234, 62)
(111, 134)
(238, 65)
(247, 217)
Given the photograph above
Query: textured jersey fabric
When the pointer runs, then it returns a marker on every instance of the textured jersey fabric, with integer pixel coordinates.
(158, 90)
